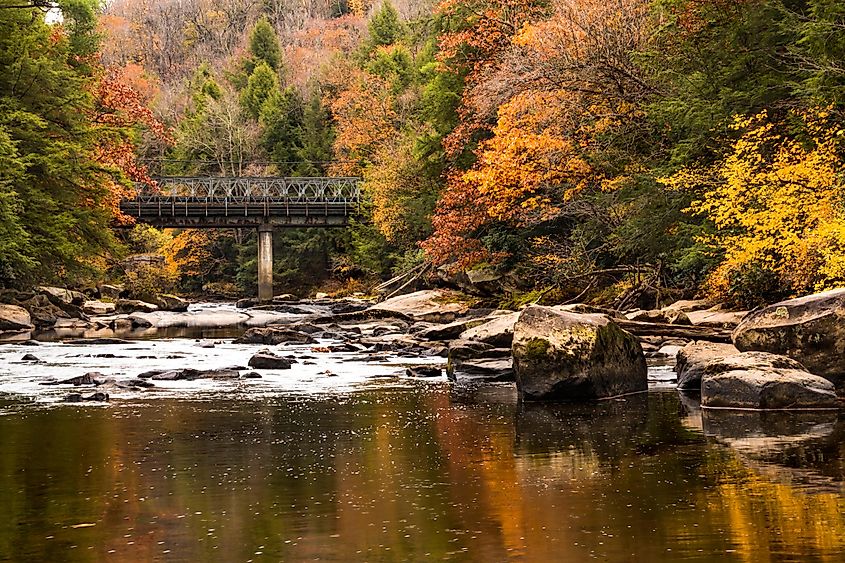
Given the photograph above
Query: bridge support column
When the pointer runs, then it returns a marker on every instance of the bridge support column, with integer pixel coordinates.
(265, 263)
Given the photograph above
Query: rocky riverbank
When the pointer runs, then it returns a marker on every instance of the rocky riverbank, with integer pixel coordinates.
(564, 353)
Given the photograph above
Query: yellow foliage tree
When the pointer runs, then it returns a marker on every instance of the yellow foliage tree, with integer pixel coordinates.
(776, 202)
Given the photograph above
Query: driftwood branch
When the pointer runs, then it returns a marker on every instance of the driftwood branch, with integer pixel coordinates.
(411, 280)
(684, 332)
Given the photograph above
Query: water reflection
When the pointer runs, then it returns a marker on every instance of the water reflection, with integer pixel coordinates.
(407, 474)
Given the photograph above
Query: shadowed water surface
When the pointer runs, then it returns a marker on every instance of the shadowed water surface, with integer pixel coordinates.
(420, 472)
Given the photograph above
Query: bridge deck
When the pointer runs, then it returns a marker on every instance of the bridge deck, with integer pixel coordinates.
(245, 202)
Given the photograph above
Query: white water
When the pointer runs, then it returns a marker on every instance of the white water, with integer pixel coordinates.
(348, 371)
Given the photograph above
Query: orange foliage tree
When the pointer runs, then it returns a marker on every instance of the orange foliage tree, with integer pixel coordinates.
(121, 111)
(560, 88)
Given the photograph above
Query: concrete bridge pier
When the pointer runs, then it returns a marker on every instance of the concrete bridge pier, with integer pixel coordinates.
(265, 262)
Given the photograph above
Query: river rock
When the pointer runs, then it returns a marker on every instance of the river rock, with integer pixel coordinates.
(759, 380)
(267, 360)
(134, 306)
(96, 341)
(307, 328)
(112, 292)
(716, 317)
(488, 369)
(43, 312)
(13, 317)
(171, 303)
(121, 324)
(424, 371)
(98, 308)
(90, 378)
(381, 330)
(810, 329)
(62, 295)
(497, 331)
(274, 335)
(574, 357)
(665, 316)
(430, 305)
(192, 374)
(694, 357)
(449, 331)
(464, 349)
(139, 321)
(78, 397)
(687, 305)
(30, 358)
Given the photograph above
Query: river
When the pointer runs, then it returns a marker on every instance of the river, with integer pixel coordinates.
(363, 464)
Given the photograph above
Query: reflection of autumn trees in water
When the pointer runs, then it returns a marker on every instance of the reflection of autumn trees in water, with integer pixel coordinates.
(404, 474)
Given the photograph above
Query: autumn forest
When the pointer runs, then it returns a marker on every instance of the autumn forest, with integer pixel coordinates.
(606, 151)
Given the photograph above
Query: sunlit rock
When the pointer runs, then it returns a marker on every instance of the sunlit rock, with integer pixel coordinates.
(430, 305)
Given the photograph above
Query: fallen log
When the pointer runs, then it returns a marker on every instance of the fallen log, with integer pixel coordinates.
(641, 328)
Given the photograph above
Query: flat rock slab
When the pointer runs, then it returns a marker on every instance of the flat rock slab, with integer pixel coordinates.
(716, 319)
(759, 380)
(497, 331)
(430, 305)
(98, 308)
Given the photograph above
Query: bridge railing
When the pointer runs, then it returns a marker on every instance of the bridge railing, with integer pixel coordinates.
(343, 190)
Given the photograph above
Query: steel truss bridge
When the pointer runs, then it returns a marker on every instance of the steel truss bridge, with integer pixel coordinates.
(231, 202)
(256, 202)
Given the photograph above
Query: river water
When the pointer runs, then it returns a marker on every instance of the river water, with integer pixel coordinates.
(363, 465)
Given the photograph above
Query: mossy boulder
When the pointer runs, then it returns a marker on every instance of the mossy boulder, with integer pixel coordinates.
(564, 356)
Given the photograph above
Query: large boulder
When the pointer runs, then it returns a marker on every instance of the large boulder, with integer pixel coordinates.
(809, 329)
(430, 305)
(694, 357)
(43, 312)
(560, 355)
(759, 380)
(13, 317)
(60, 295)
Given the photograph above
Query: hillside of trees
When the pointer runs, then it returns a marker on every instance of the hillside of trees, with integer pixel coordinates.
(605, 151)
